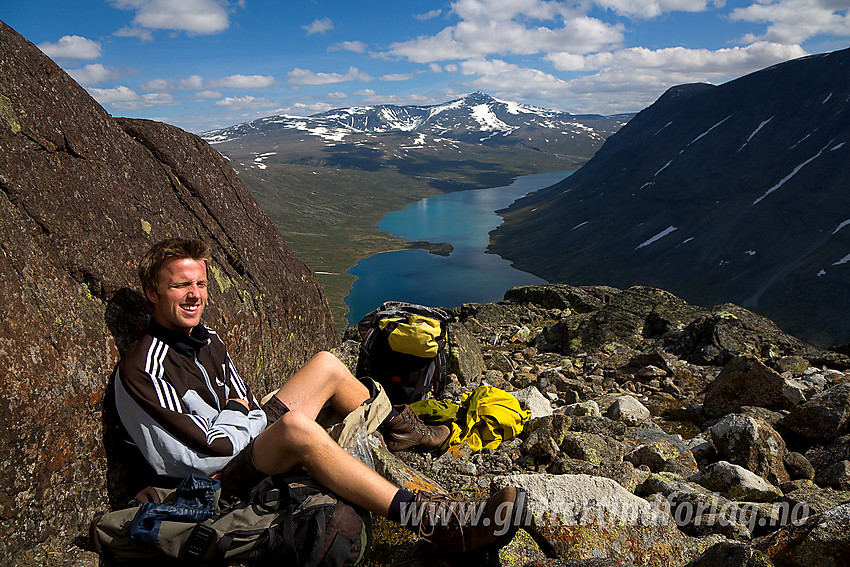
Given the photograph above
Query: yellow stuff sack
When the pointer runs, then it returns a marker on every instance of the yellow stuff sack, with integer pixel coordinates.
(414, 335)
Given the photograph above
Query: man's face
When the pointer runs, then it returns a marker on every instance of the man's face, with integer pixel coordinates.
(181, 294)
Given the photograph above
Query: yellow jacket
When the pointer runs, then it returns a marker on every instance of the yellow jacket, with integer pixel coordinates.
(485, 417)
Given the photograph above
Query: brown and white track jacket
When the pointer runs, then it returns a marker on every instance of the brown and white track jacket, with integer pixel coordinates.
(171, 391)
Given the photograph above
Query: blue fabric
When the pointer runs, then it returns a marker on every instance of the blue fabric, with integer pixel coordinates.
(194, 503)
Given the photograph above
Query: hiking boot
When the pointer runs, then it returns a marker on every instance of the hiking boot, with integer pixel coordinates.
(457, 526)
(406, 431)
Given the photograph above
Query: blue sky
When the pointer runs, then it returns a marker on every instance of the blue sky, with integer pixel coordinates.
(204, 64)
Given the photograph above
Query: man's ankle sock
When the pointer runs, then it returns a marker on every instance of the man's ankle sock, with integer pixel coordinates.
(392, 415)
(401, 497)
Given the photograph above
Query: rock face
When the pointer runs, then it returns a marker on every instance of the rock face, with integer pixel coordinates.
(82, 196)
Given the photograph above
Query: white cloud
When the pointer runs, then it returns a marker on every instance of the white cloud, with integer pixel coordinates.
(353, 46)
(654, 8)
(140, 33)
(319, 26)
(522, 82)
(339, 95)
(207, 94)
(305, 109)
(481, 35)
(94, 74)
(794, 21)
(370, 97)
(306, 77)
(242, 82)
(193, 16)
(428, 15)
(116, 94)
(243, 102)
(191, 83)
(145, 101)
(397, 77)
(158, 85)
(72, 47)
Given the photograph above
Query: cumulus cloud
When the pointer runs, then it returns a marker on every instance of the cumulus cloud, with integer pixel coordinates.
(158, 85)
(72, 47)
(94, 74)
(319, 26)
(207, 94)
(116, 94)
(397, 77)
(243, 82)
(428, 15)
(480, 34)
(191, 83)
(794, 21)
(145, 101)
(193, 16)
(306, 77)
(654, 8)
(353, 46)
(522, 82)
(140, 33)
(244, 102)
(681, 64)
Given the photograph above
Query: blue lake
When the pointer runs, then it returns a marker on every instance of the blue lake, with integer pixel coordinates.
(468, 274)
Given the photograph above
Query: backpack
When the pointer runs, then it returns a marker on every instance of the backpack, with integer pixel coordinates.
(285, 520)
(404, 348)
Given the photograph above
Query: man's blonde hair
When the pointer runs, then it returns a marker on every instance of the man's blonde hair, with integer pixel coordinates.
(179, 248)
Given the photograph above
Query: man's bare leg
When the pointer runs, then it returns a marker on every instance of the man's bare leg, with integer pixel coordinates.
(323, 379)
(296, 440)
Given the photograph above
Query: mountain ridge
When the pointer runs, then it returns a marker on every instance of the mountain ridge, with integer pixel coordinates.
(719, 193)
(456, 119)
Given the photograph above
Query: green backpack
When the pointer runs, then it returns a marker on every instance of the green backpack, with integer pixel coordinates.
(285, 520)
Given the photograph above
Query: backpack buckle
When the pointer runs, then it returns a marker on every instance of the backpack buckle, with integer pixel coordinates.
(198, 542)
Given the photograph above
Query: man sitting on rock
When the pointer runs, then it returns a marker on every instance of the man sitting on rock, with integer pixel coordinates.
(184, 405)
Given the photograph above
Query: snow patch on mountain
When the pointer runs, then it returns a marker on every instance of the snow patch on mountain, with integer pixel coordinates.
(657, 237)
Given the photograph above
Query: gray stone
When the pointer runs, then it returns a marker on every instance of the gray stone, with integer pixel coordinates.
(661, 455)
(836, 476)
(582, 516)
(798, 466)
(531, 399)
(752, 444)
(727, 554)
(823, 539)
(592, 448)
(590, 408)
(823, 418)
(628, 410)
(745, 380)
(736, 483)
(464, 355)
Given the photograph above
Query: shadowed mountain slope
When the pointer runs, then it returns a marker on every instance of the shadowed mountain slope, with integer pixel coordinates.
(738, 192)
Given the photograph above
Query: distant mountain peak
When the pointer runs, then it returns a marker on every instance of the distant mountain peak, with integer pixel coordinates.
(474, 118)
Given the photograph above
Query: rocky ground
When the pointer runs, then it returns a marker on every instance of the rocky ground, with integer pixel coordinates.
(661, 433)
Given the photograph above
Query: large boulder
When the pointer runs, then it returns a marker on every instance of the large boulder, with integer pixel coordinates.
(823, 418)
(82, 196)
(752, 444)
(822, 539)
(729, 330)
(746, 381)
(581, 516)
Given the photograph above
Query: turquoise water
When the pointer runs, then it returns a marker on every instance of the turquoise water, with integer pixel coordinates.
(468, 274)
